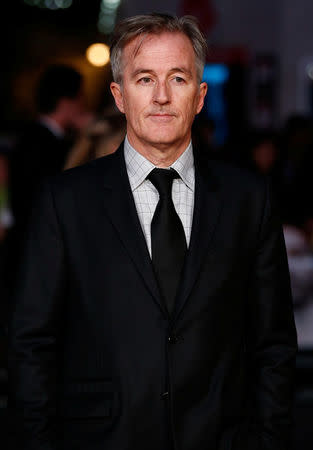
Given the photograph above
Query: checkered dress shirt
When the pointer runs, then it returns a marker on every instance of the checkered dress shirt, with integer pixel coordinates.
(146, 196)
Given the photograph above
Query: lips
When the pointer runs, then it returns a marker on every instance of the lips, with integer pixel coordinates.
(161, 118)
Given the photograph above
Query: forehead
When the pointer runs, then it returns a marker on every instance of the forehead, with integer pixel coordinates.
(157, 49)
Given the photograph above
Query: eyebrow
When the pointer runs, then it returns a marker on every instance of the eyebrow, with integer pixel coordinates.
(182, 70)
(175, 69)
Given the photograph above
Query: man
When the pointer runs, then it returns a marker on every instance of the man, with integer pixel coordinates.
(43, 145)
(153, 309)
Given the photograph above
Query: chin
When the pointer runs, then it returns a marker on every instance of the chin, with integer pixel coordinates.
(162, 139)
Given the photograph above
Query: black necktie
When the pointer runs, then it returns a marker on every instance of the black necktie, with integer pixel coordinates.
(168, 240)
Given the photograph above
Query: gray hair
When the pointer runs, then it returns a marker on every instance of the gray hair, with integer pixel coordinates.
(145, 24)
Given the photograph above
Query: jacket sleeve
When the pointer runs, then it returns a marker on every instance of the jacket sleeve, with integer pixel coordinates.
(271, 344)
(34, 329)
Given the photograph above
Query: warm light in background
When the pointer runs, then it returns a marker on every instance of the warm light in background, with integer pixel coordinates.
(98, 54)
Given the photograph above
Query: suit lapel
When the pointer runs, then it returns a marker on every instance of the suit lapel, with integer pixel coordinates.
(207, 209)
(121, 209)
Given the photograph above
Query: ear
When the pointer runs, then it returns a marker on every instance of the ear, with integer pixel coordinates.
(118, 95)
(202, 93)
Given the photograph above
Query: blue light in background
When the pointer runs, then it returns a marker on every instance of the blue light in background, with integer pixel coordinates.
(216, 75)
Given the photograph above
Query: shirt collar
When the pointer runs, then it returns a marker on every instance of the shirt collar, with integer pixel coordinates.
(138, 167)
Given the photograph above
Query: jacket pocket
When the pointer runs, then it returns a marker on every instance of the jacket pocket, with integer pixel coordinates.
(88, 400)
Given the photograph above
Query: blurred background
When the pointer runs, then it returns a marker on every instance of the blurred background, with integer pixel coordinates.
(56, 112)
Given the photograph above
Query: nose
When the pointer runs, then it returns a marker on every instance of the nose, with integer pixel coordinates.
(161, 93)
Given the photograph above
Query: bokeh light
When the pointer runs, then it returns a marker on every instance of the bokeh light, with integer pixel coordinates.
(98, 54)
(50, 4)
(107, 15)
(215, 73)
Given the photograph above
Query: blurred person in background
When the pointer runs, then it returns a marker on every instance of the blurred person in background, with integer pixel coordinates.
(43, 145)
(262, 155)
(264, 152)
(102, 137)
(297, 174)
(300, 260)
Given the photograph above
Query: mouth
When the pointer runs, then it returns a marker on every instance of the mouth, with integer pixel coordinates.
(161, 118)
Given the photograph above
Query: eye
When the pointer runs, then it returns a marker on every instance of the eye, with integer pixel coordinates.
(179, 80)
(145, 80)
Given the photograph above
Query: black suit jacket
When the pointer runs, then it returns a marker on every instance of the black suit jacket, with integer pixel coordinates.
(95, 360)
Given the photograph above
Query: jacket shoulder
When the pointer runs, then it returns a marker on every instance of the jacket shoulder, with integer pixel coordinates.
(238, 179)
(84, 176)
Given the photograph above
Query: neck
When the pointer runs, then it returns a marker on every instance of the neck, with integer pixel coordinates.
(160, 155)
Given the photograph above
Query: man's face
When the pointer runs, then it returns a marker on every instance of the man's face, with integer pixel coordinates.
(160, 93)
(78, 117)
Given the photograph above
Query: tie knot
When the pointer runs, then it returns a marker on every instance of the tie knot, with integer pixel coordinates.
(162, 179)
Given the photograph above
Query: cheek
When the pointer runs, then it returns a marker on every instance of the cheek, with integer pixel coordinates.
(134, 107)
(189, 111)
(189, 103)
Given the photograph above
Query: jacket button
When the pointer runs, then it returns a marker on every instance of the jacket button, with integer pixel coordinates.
(173, 339)
(164, 395)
